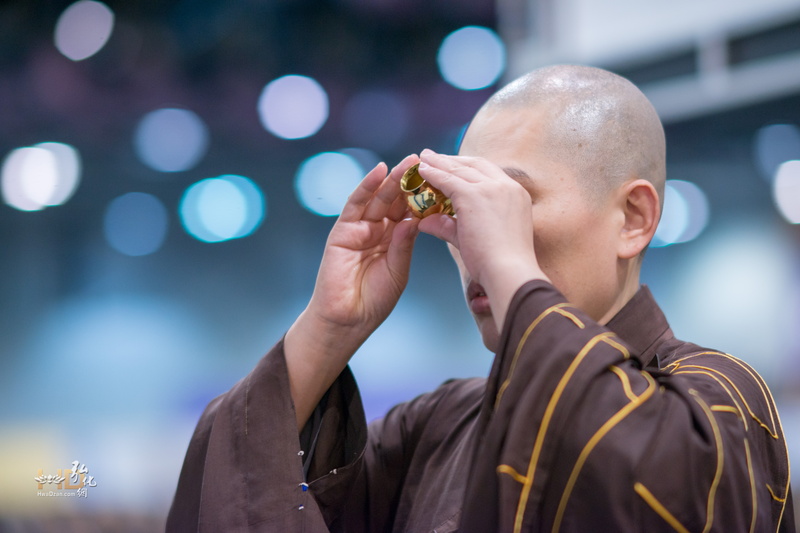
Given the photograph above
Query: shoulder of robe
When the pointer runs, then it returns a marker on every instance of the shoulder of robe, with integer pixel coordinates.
(463, 392)
(740, 400)
(452, 401)
(727, 383)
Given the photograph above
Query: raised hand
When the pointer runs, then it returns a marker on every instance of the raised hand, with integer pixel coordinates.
(366, 261)
(363, 272)
(493, 229)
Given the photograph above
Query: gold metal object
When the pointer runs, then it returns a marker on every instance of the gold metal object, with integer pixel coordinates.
(423, 198)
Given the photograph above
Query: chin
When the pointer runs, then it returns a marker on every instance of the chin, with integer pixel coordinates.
(491, 345)
(488, 333)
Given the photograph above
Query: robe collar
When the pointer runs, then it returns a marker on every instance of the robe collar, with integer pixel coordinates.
(643, 326)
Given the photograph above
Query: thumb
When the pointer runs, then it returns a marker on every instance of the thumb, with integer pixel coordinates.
(442, 227)
(404, 235)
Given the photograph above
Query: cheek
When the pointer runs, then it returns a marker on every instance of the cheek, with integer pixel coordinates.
(562, 249)
(550, 256)
(552, 243)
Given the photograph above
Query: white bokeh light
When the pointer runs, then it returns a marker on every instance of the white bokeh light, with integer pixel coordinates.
(472, 58)
(83, 29)
(171, 139)
(674, 218)
(293, 107)
(35, 177)
(223, 208)
(324, 181)
(68, 167)
(254, 204)
(136, 224)
(786, 190)
(19, 167)
(697, 203)
(39, 175)
(685, 214)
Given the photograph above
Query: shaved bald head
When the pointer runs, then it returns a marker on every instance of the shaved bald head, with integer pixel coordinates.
(588, 148)
(597, 122)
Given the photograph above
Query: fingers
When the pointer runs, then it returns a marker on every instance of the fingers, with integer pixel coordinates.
(448, 173)
(443, 172)
(399, 209)
(398, 256)
(378, 194)
(449, 163)
(359, 199)
(381, 202)
(402, 166)
(384, 201)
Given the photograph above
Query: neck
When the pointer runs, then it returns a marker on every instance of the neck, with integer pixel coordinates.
(628, 286)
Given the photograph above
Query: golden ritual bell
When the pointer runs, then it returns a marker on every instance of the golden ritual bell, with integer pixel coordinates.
(423, 198)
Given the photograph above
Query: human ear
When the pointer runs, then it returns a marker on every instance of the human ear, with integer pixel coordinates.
(642, 210)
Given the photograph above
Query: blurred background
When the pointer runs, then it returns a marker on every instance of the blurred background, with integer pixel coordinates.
(170, 170)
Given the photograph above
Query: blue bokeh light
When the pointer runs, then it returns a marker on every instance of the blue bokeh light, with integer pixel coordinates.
(222, 208)
(472, 58)
(136, 224)
(171, 140)
(774, 145)
(324, 181)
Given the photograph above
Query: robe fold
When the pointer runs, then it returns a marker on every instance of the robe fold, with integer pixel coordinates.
(579, 427)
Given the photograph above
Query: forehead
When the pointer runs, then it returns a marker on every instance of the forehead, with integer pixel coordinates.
(516, 141)
(498, 129)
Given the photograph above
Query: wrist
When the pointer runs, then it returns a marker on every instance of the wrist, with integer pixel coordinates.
(324, 342)
(504, 279)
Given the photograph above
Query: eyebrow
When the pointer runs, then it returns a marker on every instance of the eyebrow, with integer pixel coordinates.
(519, 175)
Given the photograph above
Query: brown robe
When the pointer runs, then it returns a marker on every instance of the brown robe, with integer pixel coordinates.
(579, 427)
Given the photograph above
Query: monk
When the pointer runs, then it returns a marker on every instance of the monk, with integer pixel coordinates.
(594, 416)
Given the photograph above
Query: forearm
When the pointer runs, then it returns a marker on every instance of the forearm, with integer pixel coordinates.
(316, 353)
(504, 279)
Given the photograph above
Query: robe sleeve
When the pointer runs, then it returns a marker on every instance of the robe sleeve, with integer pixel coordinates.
(578, 437)
(246, 469)
(243, 469)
